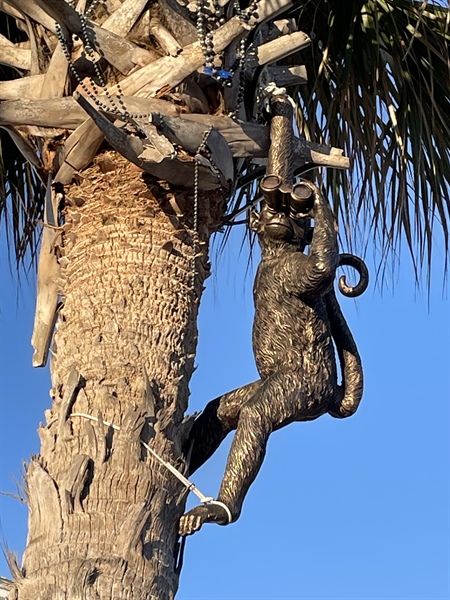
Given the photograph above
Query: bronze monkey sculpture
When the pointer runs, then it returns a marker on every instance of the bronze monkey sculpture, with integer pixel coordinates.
(297, 317)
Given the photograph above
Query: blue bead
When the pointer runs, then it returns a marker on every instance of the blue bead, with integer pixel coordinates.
(219, 72)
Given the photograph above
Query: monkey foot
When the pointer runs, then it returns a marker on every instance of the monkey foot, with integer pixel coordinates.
(213, 512)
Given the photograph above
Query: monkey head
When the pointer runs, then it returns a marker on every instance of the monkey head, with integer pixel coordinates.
(275, 228)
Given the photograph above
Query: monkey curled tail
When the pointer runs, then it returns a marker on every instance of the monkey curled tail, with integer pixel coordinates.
(297, 325)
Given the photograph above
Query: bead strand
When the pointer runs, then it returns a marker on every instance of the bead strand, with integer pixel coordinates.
(123, 112)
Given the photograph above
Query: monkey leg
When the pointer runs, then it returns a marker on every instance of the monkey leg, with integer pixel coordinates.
(279, 400)
(211, 427)
(244, 461)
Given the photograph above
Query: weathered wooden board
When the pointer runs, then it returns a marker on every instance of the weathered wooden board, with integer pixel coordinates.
(78, 151)
(120, 53)
(25, 88)
(55, 81)
(47, 283)
(122, 20)
(244, 139)
(280, 48)
(12, 56)
(65, 113)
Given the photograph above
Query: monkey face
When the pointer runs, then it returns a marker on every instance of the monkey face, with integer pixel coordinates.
(274, 224)
(277, 225)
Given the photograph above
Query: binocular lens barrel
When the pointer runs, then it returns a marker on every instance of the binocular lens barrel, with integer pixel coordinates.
(281, 196)
(302, 199)
(269, 187)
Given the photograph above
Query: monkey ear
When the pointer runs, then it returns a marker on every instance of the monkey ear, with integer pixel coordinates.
(253, 220)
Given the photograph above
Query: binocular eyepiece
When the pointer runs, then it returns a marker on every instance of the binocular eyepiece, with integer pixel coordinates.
(296, 199)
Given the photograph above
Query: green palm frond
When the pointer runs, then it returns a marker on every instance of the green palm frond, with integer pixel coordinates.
(21, 190)
(379, 87)
(21, 200)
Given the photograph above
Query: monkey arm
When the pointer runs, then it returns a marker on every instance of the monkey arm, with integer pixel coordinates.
(323, 257)
(351, 390)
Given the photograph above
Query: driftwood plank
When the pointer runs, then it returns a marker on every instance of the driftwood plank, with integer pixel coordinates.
(279, 48)
(120, 53)
(20, 58)
(47, 283)
(55, 81)
(62, 112)
(122, 20)
(25, 88)
(78, 151)
(65, 113)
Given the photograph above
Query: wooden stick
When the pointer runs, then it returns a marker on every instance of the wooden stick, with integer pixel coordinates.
(280, 48)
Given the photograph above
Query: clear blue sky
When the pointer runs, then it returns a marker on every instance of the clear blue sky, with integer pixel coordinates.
(353, 509)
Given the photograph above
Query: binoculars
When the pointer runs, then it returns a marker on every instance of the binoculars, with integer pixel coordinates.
(284, 197)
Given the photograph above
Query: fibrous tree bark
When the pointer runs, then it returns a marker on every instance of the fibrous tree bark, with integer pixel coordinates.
(103, 512)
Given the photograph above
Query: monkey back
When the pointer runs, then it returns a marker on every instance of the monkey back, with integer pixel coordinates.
(291, 332)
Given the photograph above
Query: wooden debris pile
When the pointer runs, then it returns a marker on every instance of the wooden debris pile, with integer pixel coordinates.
(156, 80)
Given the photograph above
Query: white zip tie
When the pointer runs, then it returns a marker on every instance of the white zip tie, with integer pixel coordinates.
(225, 507)
(189, 485)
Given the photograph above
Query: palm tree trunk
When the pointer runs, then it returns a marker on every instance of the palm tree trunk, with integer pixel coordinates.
(103, 512)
